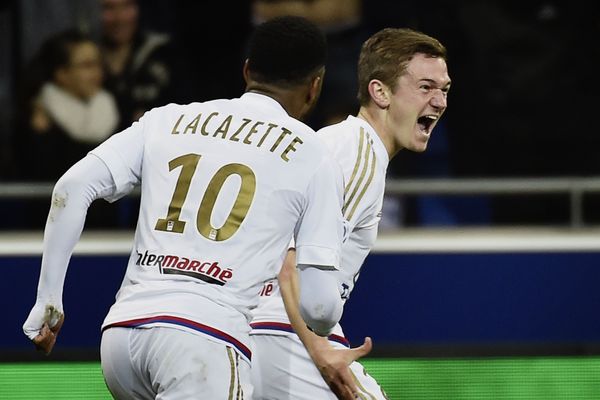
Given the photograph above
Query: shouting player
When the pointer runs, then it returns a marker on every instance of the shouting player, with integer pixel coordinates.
(403, 86)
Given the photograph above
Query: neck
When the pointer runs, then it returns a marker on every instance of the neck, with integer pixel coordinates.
(376, 118)
(287, 98)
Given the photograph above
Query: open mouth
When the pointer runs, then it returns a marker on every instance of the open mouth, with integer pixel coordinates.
(426, 122)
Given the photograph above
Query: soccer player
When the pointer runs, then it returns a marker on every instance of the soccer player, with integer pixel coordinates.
(403, 86)
(226, 184)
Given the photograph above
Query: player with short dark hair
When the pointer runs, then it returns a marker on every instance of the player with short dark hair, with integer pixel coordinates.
(225, 185)
(403, 87)
(290, 43)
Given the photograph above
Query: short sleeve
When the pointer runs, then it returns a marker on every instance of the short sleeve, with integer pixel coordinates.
(320, 231)
(123, 155)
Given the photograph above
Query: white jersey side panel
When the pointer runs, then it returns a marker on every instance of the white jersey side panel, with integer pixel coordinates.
(225, 184)
(363, 159)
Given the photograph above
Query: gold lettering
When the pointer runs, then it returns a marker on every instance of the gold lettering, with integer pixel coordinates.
(224, 128)
(290, 148)
(192, 126)
(252, 130)
(203, 129)
(234, 136)
(284, 133)
(271, 126)
(175, 131)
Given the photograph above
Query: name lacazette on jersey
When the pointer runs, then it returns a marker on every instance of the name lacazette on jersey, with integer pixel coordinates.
(245, 131)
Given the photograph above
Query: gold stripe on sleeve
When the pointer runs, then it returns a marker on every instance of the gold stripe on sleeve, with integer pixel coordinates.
(360, 180)
(358, 158)
(364, 189)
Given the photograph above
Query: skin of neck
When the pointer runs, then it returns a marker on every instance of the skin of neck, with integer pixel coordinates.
(376, 117)
(297, 100)
(288, 98)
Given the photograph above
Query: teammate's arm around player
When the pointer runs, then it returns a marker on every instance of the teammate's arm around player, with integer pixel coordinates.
(332, 363)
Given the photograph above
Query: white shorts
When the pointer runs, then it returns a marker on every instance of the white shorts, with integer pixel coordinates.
(170, 364)
(283, 370)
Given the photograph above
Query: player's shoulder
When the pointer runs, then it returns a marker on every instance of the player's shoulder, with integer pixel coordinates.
(168, 110)
(301, 129)
(303, 133)
(342, 138)
(346, 131)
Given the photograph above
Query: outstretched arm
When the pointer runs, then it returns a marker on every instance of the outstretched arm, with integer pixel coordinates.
(84, 182)
(332, 363)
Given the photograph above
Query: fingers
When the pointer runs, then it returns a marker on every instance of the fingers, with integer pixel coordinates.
(363, 349)
(349, 384)
(45, 340)
(343, 392)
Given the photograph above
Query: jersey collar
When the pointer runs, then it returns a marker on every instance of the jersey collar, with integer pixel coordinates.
(264, 101)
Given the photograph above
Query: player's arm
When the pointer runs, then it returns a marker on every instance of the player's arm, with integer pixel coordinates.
(320, 302)
(318, 239)
(84, 182)
(332, 363)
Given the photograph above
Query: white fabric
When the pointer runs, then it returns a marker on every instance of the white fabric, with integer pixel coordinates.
(353, 151)
(86, 181)
(89, 121)
(283, 370)
(320, 303)
(169, 364)
(180, 149)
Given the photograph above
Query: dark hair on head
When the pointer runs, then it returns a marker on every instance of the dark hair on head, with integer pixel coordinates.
(55, 52)
(386, 54)
(286, 51)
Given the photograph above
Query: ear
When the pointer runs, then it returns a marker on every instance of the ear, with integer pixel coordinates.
(315, 89)
(380, 93)
(316, 84)
(246, 72)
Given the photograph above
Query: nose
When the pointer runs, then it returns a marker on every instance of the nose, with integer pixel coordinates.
(439, 100)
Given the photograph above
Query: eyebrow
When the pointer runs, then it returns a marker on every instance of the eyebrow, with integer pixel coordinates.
(433, 81)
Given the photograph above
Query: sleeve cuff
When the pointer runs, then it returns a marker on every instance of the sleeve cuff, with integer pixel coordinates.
(117, 169)
(315, 255)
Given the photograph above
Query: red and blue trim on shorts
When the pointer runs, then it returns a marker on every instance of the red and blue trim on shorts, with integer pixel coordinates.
(283, 327)
(205, 329)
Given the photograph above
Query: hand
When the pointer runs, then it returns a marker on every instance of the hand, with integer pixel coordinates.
(47, 338)
(333, 364)
(43, 327)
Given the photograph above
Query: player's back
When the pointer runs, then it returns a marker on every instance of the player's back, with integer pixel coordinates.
(225, 180)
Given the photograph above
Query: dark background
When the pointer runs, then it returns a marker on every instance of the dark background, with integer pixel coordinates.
(523, 101)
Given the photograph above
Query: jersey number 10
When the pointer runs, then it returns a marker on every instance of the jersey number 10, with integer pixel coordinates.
(188, 164)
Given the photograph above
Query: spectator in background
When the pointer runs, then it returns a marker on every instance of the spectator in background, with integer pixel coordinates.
(137, 62)
(65, 110)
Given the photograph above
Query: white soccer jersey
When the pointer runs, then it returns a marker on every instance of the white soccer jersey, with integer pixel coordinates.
(224, 185)
(363, 159)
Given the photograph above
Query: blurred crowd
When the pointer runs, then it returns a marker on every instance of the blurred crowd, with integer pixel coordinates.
(74, 72)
